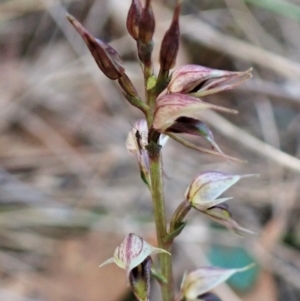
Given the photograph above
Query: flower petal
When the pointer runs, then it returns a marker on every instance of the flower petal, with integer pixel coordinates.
(208, 186)
(192, 126)
(221, 215)
(169, 107)
(192, 78)
(140, 280)
(204, 279)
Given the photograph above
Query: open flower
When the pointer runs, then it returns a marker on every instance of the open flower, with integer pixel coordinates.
(200, 281)
(137, 140)
(133, 255)
(205, 189)
(176, 112)
(131, 252)
(196, 78)
(172, 106)
(203, 195)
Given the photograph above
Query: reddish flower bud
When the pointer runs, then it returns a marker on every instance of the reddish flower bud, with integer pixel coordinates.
(127, 86)
(147, 24)
(133, 18)
(105, 56)
(170, 43)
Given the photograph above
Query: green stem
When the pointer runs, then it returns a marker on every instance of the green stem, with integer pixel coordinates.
(160, 219)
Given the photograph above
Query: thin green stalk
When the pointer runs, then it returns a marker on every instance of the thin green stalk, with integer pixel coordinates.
(160, 219)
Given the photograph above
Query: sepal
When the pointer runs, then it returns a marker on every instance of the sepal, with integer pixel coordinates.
(106, 57)
(204, 279)
(204, 81)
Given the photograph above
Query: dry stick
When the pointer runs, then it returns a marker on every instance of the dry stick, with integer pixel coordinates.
(16, 8)
(242, 137)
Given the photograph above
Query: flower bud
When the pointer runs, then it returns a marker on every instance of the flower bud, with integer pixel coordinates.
(205, 189)
(146, 24)
(171, 106)
(131, 252)
(133, 18)
(170, 43)
(204, 279)
(193, 78)
(127, 86)
(107, 59)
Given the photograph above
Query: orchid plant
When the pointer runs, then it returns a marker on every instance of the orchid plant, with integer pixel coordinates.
(171, 107)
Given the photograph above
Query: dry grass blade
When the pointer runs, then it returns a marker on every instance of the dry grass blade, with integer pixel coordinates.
(237, 48)
(250, 142)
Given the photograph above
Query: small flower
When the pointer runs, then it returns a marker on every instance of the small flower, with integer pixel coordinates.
(203, 195)
(107, 59)
(193, 78)
(205, 189)
(137, 138)
(136, 143)
(172, 106)
(132, 252)
(200, 281)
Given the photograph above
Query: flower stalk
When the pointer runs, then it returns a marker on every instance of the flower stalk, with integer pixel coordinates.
(168, 115)
(157, 194)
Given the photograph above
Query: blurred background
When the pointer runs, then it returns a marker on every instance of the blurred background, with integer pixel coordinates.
(70, 191)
